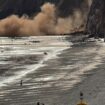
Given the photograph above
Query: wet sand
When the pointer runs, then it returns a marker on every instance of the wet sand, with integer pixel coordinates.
(59, 81)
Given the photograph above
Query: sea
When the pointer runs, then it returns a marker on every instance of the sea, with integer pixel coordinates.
(46, 69)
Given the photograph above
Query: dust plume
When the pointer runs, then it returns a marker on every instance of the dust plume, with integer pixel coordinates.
(73, 23)
(44, 23)
(41, 24)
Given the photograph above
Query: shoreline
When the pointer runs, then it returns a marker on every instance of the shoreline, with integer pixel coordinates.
(57, 83)
(93, 87)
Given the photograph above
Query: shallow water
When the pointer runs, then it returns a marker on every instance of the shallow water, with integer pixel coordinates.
(47, 78)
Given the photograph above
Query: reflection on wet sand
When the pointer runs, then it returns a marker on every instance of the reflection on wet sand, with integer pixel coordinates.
(29, 76)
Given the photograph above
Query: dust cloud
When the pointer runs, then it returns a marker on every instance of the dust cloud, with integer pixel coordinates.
(44, 23)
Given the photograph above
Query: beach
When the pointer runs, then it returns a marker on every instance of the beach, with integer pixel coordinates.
(55, 78)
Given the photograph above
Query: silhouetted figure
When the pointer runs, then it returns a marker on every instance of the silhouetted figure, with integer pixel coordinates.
(81, 96)
(21, 83)
(43, 104)
(45, 53)
(82, 102)
(38, 103)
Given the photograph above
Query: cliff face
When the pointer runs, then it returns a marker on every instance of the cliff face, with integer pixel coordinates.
(65, 7)
(67, 16)
(20, 7)
(96, 19)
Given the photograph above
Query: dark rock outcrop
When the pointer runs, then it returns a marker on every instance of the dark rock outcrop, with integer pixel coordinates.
(29, 7)
(67, 7)
(96, 19)
(20, 7)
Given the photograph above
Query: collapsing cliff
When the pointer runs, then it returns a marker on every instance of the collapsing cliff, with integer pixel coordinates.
(62, 17)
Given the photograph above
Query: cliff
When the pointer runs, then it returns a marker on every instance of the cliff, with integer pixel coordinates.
(29, 7)
(96, 19)
(67, 7)
(20, 7)
(67, 16)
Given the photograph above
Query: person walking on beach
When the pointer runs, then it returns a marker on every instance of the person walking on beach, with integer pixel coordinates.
(82, 102)
(21, 83)
(38, 103)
